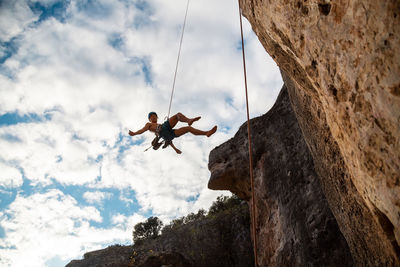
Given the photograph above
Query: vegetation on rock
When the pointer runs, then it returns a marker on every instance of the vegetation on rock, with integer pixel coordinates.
(152, 227)
(149, 229)
(217, 237)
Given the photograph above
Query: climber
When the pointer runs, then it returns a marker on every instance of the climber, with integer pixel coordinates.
(166, 130)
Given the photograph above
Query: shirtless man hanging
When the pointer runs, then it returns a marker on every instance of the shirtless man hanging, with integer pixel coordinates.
(166, 130)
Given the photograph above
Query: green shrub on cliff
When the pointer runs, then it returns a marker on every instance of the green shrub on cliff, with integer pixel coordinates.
(224, 203)
(152, 226)
(149, 229)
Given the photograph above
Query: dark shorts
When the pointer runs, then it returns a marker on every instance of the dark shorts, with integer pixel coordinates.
(166, 132)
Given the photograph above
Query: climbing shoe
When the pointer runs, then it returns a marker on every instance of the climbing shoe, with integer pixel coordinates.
(166, 143)
(155, 143)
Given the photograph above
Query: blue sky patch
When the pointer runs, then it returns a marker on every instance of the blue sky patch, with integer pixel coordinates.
(57, 261)
(239, 44)
(8, 49)
(229, 100)
(2, 233)
(56, 10)
(124, 146)
(27, 188)
(94, 9)
(146, 68)
(10, 138)
(110, 206)
(225, 129)
(145, 63)
(142, 18)
(193, 198)
(59, 159)
(143, 6)
(13, 118)
(7, 196)
(113, 205)
(75, 136)
(116, 41)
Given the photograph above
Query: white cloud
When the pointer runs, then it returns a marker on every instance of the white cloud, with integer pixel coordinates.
(43, 226)
(126, 222)
(47, 2)
(96, 197)
(14, 17)
(10, 176)
(48, 150)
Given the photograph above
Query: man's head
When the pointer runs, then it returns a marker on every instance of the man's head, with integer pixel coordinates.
(153, 116)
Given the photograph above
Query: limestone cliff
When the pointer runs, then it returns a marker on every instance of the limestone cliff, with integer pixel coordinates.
(341, 63)
(295, 226)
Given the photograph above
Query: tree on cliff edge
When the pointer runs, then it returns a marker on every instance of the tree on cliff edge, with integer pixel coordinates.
(149, 229)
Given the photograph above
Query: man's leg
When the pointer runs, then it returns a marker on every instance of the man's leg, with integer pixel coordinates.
(190, 129)
(180, 117)
(176, 150)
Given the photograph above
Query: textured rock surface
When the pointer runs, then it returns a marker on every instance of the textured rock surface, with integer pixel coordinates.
(220, 240)
(344, 60)
(364, 234)
(295, 226)
(223, 240)
(111, 256)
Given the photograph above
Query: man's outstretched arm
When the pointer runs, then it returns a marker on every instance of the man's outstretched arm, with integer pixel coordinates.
(176, 150)
(145, 128)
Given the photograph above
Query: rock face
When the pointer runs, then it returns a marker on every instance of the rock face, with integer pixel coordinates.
(111, 256)
(364, 234)
(343, 61)
(219, 240)
(295, 226)
(223, 240)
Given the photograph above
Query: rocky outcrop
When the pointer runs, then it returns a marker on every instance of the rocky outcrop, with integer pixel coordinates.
(295, 226)
(111, 256)
(343, 61)
(363, 232)
(219, 240)
(347, 105)
(222, 239)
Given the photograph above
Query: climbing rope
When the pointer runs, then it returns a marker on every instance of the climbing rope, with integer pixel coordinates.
(253, 204)
(155, 144)
(177, 60)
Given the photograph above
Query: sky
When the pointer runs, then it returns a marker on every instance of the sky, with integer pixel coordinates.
(75, 76)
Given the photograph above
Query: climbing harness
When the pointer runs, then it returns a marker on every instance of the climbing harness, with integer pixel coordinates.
(155, 144)
(164, 132)
(253, 204)
(156, 141)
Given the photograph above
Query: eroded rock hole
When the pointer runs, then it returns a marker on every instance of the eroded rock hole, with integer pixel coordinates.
(395, 90)
(388, 228)
(325, 9)
(314, 64)
(304, 10)
(333, 90)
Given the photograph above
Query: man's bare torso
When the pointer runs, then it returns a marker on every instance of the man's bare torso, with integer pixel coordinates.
(153, 126)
